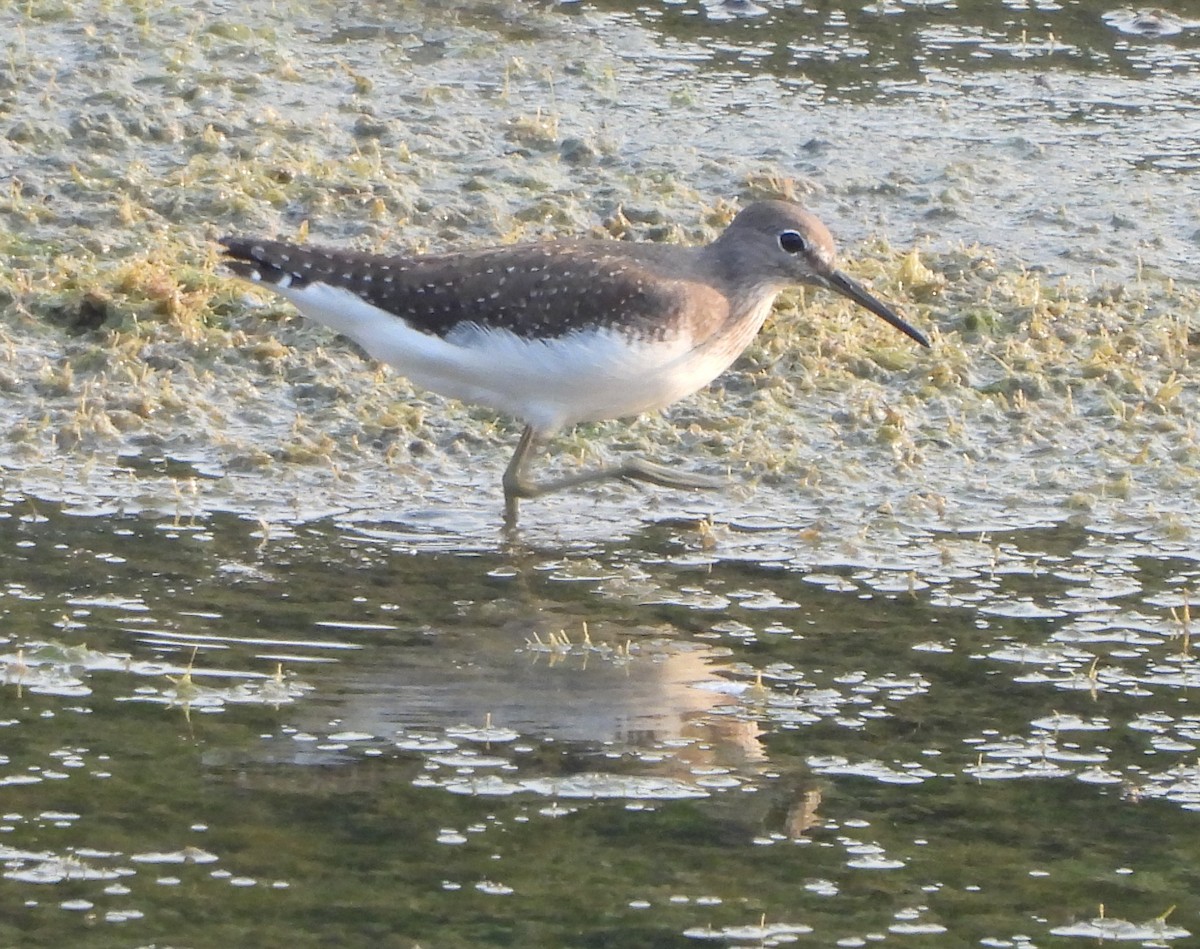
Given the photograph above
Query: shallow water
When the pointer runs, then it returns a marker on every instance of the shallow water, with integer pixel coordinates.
(220, 736)
(926, 678)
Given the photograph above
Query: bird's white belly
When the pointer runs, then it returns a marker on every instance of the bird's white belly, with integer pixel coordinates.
(583, 376)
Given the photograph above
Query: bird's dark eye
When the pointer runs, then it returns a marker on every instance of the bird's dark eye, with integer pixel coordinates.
(793, 242)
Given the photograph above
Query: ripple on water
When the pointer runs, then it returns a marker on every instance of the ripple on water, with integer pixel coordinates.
(908, 773)
(764, 934)
(1148, 23)
(595, 786)
(25, 867)
(1109, 929)
(1061, 722)
(1020, 609)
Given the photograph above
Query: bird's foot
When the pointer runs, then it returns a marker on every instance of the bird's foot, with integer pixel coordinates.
(639, 469)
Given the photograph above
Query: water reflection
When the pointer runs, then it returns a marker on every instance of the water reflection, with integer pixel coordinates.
(855, 714)
(627, 693)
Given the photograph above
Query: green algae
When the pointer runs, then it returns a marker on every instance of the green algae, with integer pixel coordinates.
(123, 338)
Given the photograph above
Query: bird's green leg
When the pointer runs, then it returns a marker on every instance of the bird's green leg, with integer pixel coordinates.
(517, 483)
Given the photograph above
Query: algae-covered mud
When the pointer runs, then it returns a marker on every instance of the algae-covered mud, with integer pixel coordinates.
(923, 676)
(135, 134)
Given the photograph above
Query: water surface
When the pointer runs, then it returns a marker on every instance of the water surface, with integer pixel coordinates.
(923, 676)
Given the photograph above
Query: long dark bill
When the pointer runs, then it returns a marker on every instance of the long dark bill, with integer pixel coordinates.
(855, 291)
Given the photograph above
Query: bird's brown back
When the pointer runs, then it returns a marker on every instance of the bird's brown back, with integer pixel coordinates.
(541, 290)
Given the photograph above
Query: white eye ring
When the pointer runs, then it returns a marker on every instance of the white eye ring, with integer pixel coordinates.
(793, 242)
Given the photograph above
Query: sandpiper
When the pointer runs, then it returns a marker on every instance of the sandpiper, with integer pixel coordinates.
(559, 332)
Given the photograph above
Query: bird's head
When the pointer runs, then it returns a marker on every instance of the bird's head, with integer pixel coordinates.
(779, 244)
